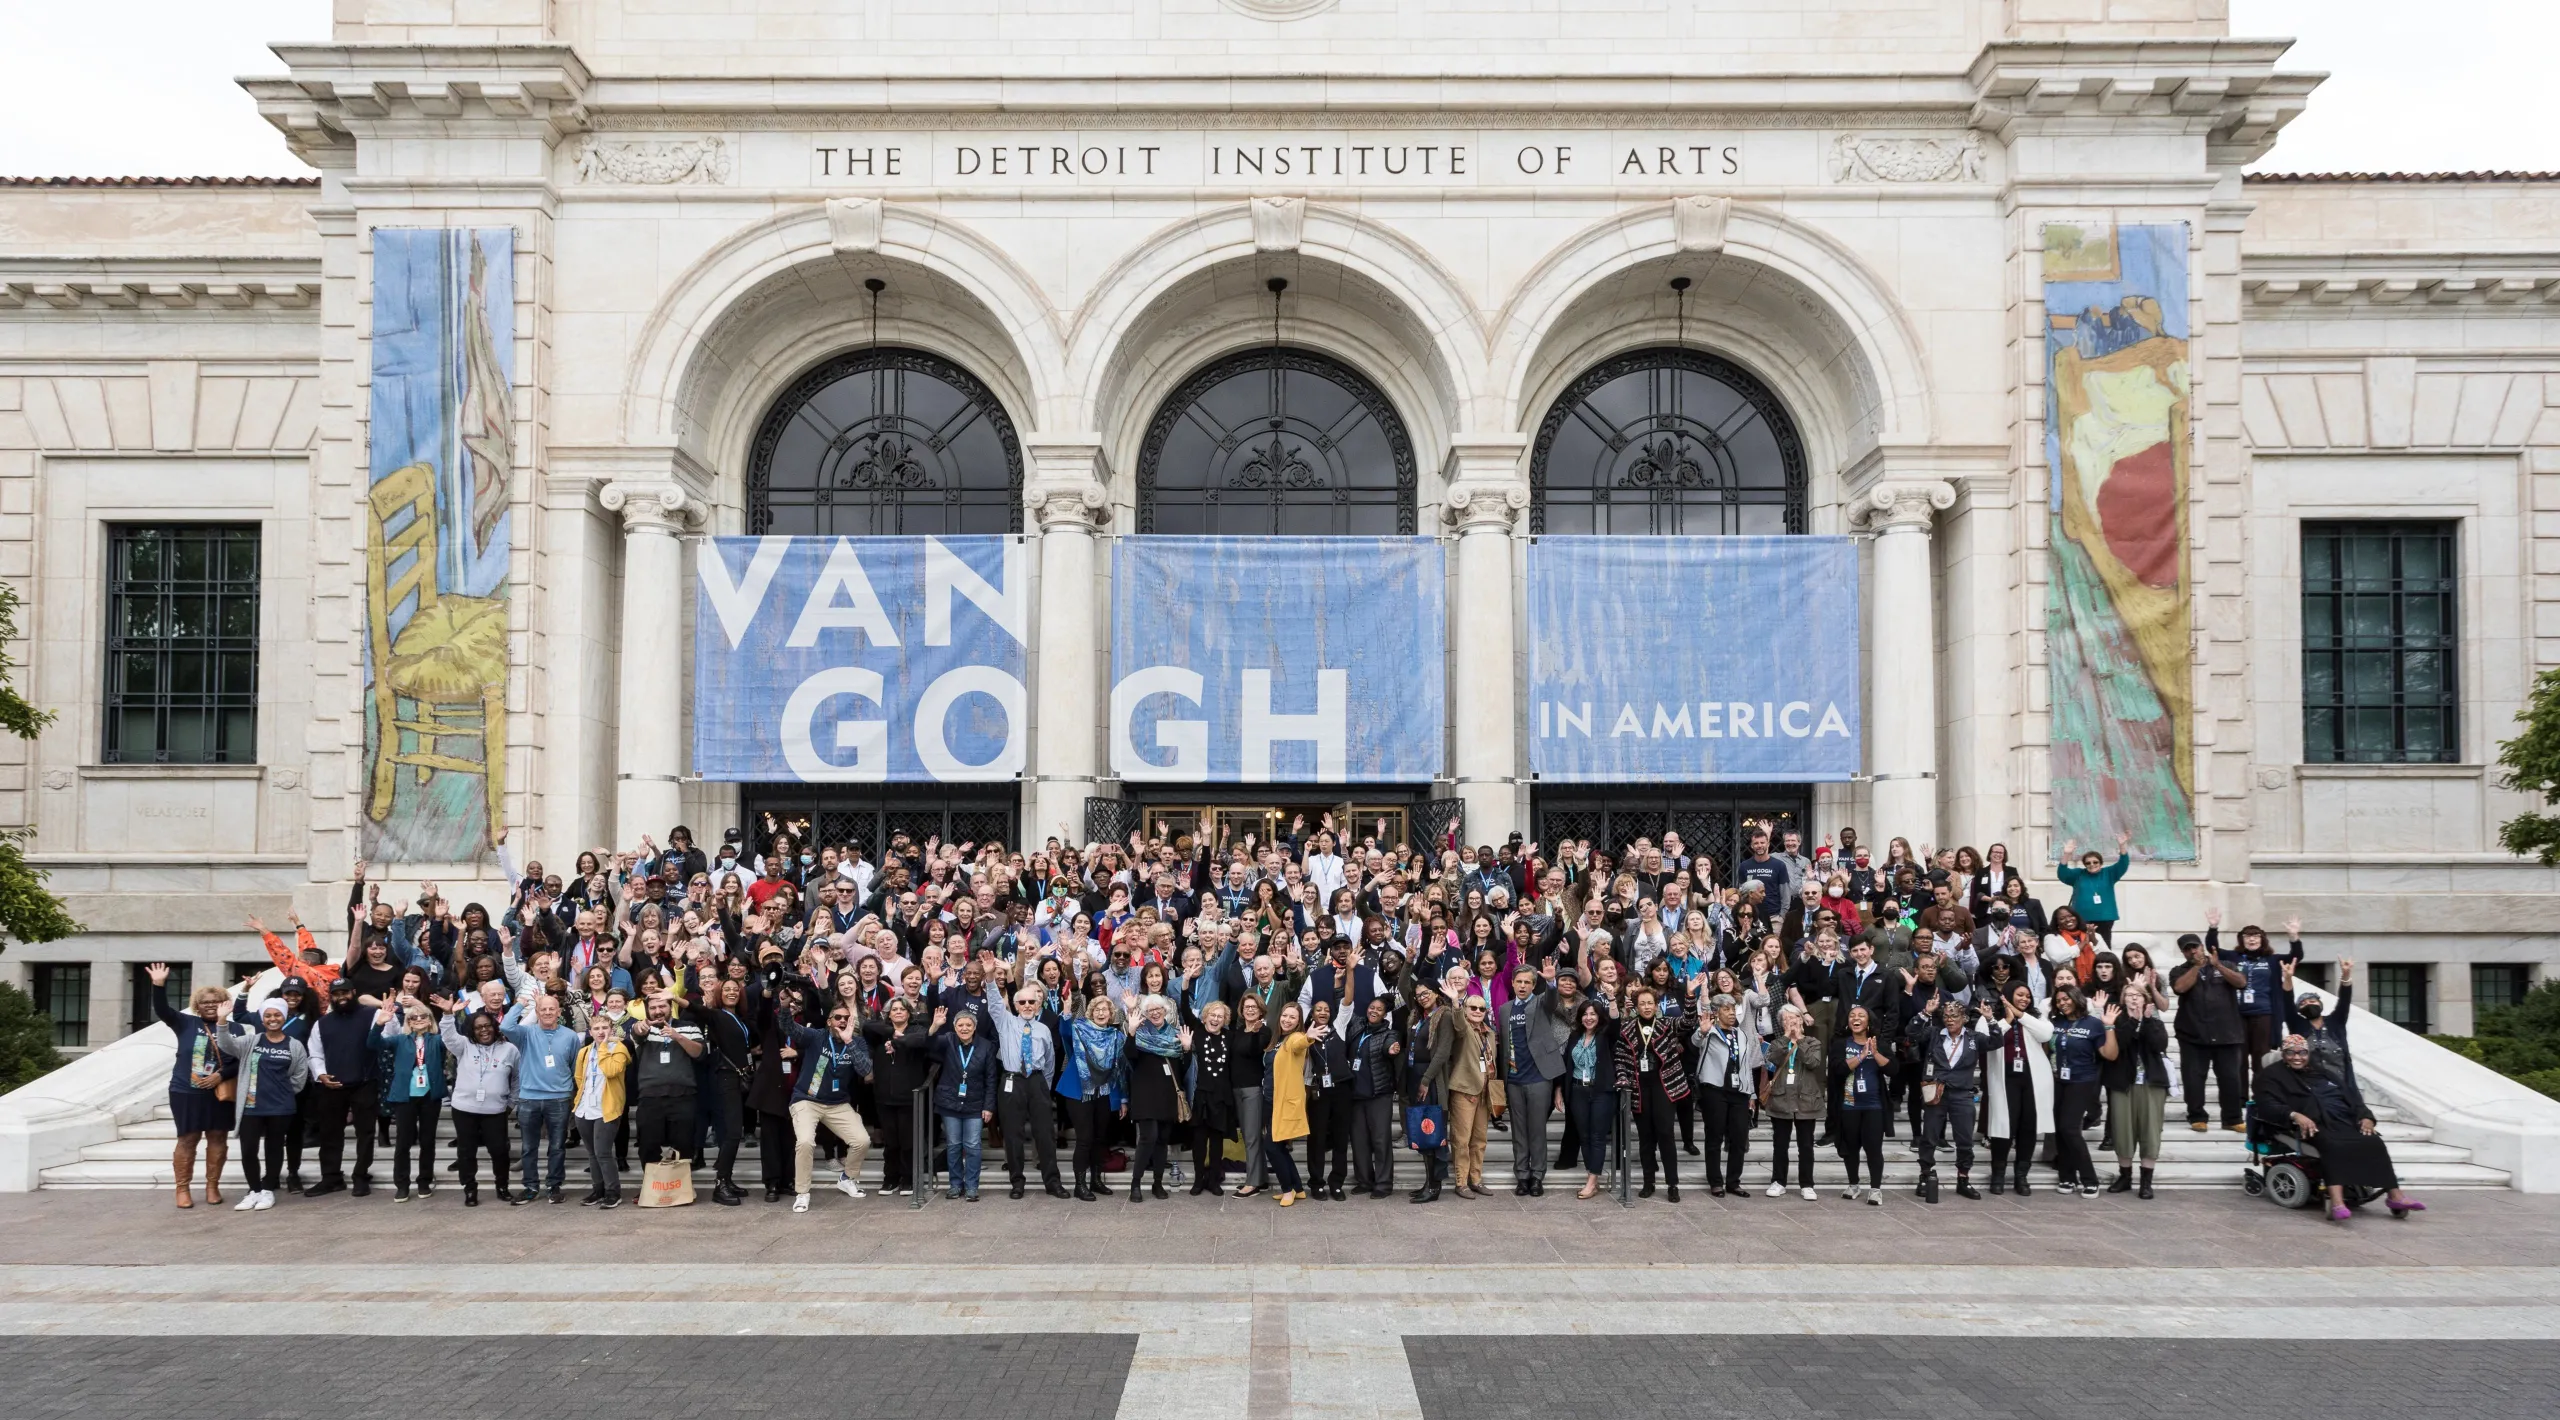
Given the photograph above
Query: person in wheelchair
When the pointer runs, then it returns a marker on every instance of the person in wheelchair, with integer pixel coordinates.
(2326, 1119)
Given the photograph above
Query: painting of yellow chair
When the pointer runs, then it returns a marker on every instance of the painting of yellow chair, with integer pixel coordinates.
(442, 677)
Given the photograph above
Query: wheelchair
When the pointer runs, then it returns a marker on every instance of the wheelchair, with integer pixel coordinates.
(2284, 1169)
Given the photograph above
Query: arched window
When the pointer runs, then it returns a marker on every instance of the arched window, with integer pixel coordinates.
(885, 441)
(1276, 441)
(1667, 441)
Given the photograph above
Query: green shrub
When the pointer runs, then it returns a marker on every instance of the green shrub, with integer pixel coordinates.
(26, 1040)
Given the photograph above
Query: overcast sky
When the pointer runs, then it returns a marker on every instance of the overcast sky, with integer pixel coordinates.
(127, 87)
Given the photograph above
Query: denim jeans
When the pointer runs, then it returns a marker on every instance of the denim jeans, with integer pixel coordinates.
(964, 1134)
(545, 1121)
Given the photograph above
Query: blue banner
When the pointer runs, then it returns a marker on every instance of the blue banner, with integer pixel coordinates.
(861, 660)
(1693, 659)
(1298, 660)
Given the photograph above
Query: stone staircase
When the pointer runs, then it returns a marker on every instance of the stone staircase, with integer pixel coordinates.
(140, 1158)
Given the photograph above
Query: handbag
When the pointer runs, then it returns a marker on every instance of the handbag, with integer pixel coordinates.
(228, 1089)
(668, 1183)
(1426, 1127)
(1496, 1098)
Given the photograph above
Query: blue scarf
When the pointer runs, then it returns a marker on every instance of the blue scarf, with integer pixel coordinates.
(1164, 1040)
(1097, 1053)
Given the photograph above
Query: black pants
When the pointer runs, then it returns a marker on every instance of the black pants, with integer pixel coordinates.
(1150, 1153)
(2261, 1033)
(332, 1110)
(2071, 1106)
(1728, 1114)
(2022, 1126)
(1861, 1135)
(1328, 1136)
(724, 1108)
(666, 1122)
(1591, 1112)
(1030, 1116)
(1090, 1118)
(897, 1142)
(1953, 1114)
(1373, 1143)
(1801, 1132)
(471, 1133)
(775, 1148)
(2224, 1061)
(413, 1126)
(262, 1147)
(1654, 1132)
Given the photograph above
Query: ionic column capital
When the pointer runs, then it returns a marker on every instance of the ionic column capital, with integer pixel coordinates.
(1904, 505)
(1484, 506)
(658, 506)
(1078, 505)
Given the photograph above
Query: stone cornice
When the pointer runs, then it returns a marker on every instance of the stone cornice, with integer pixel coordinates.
(159, 283)
(2226, 90)
(2399, 280)
(337, 91)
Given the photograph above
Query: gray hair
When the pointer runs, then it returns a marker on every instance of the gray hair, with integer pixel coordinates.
(1723, 1002)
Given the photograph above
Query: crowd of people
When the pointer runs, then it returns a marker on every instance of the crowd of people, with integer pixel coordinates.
(1283, 1018)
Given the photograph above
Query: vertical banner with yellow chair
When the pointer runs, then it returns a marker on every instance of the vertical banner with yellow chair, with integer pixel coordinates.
(437, 531)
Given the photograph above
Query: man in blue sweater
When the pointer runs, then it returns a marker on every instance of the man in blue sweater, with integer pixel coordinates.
(547, 1051)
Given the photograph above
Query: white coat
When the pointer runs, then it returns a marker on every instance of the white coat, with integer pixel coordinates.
(1995, 1073)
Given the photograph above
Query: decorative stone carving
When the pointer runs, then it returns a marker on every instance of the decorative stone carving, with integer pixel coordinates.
(1905, 505)
(1084, 503)
(59, 779)
(654, 163)
(1279, 223)
(651, 507)
(1859, 157)
(1698, 223)
(2274, 776)
(1279, 9)
(1479, 507)
(854, 222)
(286, 780)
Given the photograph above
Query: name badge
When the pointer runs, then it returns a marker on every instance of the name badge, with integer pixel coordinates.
(1791, 1078)
(786, 1069)
(2248, 995)
(1008, 1085)
(2018, 1066)
(666, 1057)
(2065, 1076)
(550, 1061)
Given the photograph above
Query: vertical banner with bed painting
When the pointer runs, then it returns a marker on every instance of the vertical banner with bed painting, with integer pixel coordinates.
(2118, 610)
(437, 533)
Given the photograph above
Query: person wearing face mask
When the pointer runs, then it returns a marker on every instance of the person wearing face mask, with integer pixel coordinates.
(203, 1084)
(1650, 1055)
(2330, 1116)
(1950, 1089)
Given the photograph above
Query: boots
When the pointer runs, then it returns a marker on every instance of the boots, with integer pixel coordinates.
(183, 1163)
(2145, 1190)
(2124, 1180)
(2018, 1184)
(1429, 1192)
(1929, 1187)
(1965, 1188)
(1999, 1181)
(217, 1152)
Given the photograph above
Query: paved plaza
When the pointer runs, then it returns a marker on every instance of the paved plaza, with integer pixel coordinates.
(2202, 1303)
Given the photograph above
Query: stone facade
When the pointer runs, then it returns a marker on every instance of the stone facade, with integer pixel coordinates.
(1474, 202)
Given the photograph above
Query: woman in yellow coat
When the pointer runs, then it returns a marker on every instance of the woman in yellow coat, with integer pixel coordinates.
(1285, 1073)
(597, 1104)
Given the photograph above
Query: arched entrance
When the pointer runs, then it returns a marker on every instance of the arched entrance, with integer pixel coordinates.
(885, 441)
(1277, 441)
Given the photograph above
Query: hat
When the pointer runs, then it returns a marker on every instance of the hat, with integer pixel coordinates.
(275, 1004)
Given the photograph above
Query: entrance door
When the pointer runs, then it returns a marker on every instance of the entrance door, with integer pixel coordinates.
(1268, 822)
(1711, 819)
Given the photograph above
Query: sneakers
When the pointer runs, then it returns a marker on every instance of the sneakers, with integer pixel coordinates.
(248, 1202)
(264, 1202)
(2088, 1189)
(1852, 1193)
(1777, 1190)
(800, 1203)
(400, 1196)
(848, 1187)
(611, 1201)
(1809, 1194)
(1875, 1197)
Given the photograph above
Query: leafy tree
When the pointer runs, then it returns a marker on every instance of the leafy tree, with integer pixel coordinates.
(2520, 1041)
(2532, 761)
(28, 912)
(26, 1040)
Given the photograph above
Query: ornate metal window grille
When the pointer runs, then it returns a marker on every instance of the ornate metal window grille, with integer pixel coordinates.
(182, 643)
(2380, 645)
(1276, 441)
(1667, 441)
(1710, 821)
(885, 441)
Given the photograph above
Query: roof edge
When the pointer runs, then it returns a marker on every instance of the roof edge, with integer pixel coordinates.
(145, 182)
(2483, 175)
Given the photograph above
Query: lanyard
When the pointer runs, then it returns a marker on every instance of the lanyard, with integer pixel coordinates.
(964, 1052)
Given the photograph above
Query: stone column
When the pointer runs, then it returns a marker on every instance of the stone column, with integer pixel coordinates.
(1902, 659)
(649, 713)
(1069, 502)
(1484, 502)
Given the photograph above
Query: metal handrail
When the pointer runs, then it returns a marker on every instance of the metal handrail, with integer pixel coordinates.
(920, 1136)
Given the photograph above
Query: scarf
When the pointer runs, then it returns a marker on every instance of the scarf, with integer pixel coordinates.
(1164, 1040)
(1097, 1052)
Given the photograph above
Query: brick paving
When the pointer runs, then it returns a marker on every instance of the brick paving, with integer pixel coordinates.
(566, 1377)
(1881, 1377)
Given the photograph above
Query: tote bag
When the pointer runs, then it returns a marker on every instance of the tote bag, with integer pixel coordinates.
(1426, 1127)
(668, 1183)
